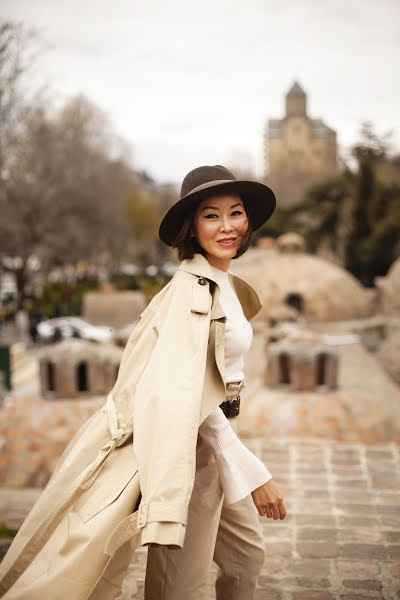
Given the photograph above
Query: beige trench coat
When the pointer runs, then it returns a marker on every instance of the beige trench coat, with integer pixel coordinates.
(132, 464)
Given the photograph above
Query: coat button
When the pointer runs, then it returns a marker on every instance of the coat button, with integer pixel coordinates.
(202, 281)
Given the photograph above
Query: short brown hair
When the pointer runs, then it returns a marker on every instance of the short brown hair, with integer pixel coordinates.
(187, 245)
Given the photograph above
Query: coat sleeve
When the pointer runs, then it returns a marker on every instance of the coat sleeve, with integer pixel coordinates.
(166, 417)
(164, 533)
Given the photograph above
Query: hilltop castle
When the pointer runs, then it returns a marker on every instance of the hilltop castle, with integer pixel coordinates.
(299, 150)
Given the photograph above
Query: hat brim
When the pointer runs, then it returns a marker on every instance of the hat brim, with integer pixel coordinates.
(259, 200)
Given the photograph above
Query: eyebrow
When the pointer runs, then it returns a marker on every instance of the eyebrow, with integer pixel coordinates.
(216, 207)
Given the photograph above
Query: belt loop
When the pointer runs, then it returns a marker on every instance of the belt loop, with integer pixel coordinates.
(231, 406)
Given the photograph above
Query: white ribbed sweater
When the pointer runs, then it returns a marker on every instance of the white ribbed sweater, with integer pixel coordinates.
(238, 331)
(240, 470)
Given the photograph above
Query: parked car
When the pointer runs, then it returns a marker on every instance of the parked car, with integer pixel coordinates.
(60, 328)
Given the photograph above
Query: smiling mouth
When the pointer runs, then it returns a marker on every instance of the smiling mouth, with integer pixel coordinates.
(227, 241)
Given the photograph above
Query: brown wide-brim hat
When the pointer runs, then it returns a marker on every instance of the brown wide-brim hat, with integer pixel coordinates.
(259, 200)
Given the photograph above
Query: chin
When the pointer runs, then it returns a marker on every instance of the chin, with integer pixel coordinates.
(225, 252)
(232, 250)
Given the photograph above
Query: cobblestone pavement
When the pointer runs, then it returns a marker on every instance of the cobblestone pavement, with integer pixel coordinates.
(340, 538)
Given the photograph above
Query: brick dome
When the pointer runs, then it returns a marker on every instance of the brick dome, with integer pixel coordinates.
(389, 291)
(318, 289)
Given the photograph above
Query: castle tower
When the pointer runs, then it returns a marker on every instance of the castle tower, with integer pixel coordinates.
(299, 151)
(296, 101)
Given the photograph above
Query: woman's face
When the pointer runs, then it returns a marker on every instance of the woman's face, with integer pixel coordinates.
(219, 224)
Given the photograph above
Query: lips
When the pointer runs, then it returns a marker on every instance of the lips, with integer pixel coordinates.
(227, 242)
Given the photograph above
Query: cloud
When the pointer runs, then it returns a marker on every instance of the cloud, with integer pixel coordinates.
(181, 78)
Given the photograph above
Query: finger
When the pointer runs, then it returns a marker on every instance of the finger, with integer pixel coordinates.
(282, 510)
(268, 512)
(275, 511)
(261, 510)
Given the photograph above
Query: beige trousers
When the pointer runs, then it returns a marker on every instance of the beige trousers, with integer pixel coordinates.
(230, 535)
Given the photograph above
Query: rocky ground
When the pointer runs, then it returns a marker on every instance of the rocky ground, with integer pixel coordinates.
(341, 535)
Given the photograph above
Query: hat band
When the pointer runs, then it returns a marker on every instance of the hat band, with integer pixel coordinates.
(209, 184)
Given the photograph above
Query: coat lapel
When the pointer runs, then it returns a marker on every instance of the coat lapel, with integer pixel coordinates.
(247, 296)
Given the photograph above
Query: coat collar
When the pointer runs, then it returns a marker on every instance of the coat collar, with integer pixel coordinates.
(248, 297)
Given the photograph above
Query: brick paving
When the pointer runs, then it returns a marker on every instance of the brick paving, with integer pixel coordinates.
(341, 535)
(340, 538)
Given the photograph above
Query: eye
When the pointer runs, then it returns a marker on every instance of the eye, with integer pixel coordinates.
(211, 215)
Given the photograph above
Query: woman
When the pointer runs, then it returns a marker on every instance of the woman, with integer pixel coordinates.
(160, 464)
(212, 219)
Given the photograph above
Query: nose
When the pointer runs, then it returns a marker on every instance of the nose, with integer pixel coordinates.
(226, 223)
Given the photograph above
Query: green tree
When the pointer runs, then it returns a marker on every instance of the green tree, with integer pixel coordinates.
(320, 217)
(356, 215)
(374, 224)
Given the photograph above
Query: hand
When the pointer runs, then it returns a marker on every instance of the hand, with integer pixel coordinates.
(269, 500)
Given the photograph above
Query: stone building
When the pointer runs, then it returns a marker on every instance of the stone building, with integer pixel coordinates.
(299, 150)
(75, 368)
(304, 364)
(113, 308)
(316, 288)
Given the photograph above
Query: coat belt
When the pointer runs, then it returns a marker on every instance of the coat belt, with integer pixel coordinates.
(119, 434)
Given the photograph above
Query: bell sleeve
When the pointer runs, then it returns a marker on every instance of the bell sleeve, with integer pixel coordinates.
(240, 470)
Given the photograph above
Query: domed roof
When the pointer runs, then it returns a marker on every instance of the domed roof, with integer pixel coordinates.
(319, 289)
(291, 242)
(389, 288)
(389, 354)
(394, 271)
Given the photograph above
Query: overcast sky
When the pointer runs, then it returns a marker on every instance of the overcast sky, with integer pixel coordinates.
(193, 82)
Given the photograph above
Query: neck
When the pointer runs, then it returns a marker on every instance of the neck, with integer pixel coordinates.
(219, 263)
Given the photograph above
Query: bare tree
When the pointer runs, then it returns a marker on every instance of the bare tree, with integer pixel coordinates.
(68, 192)
(64, 197)
(18, 50)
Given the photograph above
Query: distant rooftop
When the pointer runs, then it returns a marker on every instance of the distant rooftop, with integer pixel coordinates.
(318, 127)
(296, 90)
